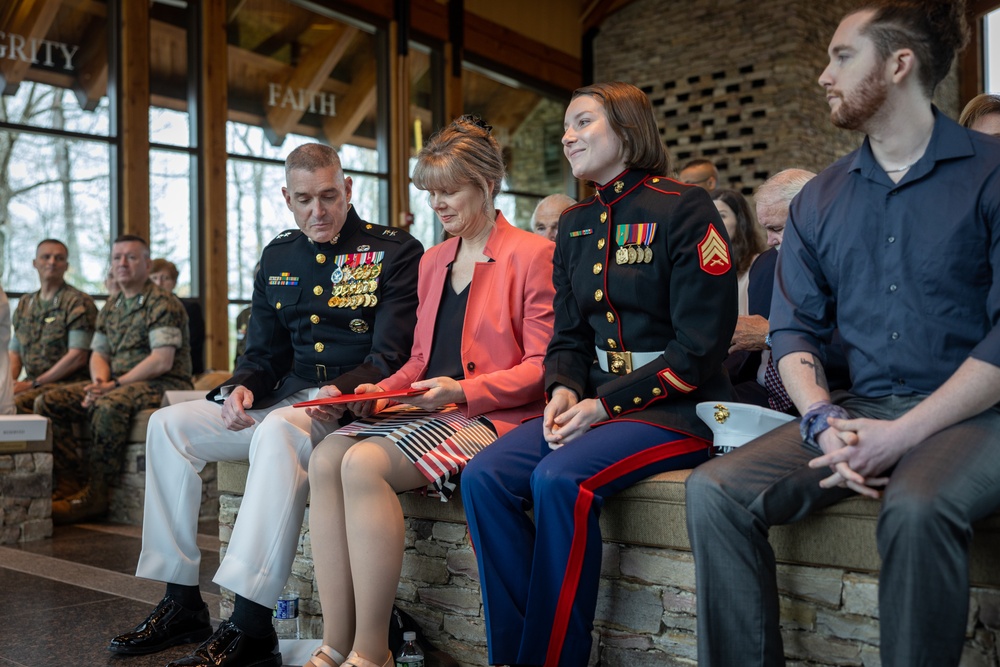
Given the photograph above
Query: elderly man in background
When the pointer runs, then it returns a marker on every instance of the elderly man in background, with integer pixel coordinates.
(545, 219)
(139, 351)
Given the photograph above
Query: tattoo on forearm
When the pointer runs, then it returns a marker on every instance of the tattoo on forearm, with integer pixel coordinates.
(818, 369)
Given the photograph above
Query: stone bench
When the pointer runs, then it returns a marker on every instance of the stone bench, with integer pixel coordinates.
(827, 576)
(25, 479)
(128, 492)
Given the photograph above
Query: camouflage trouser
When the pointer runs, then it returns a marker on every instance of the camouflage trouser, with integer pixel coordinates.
(108, 419)
(25, 401)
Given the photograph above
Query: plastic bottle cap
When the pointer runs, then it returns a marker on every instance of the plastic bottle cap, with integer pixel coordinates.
(409, 636)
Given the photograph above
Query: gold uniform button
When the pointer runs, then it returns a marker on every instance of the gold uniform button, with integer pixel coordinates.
(319, 347)
(597, 268)
(368, 226)
(600, 244)
(598, 295)
(320, 258)
(317, 290)
(612, 344)
(657, 391)
(656, 180)
(637, 400)
(611, 317)
(604, 216)
(617, 409)
(277, 306)
(314, 319)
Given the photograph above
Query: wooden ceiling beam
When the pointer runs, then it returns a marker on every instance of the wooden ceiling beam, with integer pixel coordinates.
(309, 76)
(354, 107)
(31, 20)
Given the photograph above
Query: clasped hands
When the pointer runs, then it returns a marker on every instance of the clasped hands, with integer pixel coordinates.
(860, 451)
(566, 417)
(95, 390)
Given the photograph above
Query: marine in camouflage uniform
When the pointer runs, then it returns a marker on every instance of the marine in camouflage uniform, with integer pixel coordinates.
(128, 330)
(44, 331)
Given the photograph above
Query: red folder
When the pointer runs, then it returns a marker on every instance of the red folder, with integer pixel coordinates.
(354, 398)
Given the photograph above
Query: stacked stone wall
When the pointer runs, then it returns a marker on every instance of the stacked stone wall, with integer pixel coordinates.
(25, 496)
(646, 604)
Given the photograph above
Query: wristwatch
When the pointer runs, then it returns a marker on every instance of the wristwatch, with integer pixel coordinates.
(767, 340)
(117, 382)
(35, 384)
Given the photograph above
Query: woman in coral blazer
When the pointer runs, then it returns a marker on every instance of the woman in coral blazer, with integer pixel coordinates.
(484, 321)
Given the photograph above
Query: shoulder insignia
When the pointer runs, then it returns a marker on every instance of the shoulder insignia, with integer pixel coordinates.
(665, 185)
(389, 232)
(713, 253)
(286, 236)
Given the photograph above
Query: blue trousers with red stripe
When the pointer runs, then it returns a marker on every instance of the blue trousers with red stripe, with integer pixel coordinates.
(539, 579)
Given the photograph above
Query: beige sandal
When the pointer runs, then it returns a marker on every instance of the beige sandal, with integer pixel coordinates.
(356, 660)
(326, 656)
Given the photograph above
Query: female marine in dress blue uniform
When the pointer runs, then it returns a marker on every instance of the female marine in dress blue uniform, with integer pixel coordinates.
(645, 309)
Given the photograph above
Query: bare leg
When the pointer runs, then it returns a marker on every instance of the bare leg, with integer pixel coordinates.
(373, 472)
(329, 542)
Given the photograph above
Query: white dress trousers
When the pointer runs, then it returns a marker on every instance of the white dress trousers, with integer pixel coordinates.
(180, 440)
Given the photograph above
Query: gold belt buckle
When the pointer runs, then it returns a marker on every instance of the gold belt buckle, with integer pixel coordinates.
(620, 363)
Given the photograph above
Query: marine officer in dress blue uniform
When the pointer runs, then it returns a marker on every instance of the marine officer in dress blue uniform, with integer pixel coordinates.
(334, 303)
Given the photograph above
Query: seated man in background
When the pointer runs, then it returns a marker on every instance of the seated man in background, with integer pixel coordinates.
(545, 218)
(53, 328)
(164, 273)
(700, 172)
(755, 380)
(140, 350)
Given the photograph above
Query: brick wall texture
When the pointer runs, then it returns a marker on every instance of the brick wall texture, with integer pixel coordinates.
(735, 81)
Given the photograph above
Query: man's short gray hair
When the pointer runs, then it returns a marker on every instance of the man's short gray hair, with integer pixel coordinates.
(782, 187)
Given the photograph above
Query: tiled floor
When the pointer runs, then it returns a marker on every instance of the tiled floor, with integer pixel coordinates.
(62, 599)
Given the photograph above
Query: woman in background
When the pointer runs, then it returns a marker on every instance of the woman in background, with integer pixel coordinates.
(744, 239)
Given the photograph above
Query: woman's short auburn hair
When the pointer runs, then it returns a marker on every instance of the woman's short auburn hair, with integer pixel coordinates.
(630, 116)
(979, 106)
(463, 153)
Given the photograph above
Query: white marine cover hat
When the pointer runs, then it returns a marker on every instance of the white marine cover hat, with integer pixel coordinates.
(735, 424)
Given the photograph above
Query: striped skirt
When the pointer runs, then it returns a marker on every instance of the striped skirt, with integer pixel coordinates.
(438, 442)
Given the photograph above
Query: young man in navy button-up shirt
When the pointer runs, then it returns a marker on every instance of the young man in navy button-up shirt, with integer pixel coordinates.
(896, 246)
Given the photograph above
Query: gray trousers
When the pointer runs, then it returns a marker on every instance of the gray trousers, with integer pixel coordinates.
(936, 491)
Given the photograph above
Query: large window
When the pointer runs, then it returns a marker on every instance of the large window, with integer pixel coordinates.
(528, 127)
(54, 183)
(296, 76)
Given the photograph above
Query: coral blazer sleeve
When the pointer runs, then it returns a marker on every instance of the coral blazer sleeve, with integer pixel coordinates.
(507, 328)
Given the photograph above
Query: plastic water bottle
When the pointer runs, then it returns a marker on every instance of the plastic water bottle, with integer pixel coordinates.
(286, 614)
(410, 654)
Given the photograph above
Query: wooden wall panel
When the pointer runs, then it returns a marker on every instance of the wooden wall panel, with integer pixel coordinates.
(133, 119)
(212, 174)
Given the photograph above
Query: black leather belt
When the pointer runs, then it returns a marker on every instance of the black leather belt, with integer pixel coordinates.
(319, 372)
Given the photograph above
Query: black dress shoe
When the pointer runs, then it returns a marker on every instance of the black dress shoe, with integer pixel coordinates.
(170, 624)
(231, 647)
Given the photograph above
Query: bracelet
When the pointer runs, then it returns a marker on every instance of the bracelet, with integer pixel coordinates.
(814, 421)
